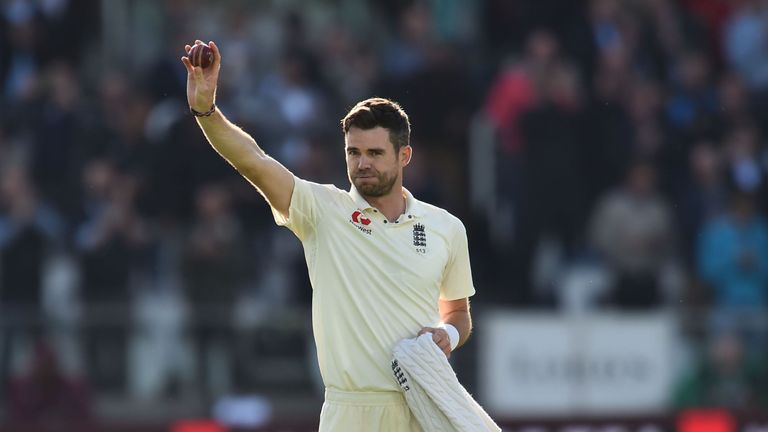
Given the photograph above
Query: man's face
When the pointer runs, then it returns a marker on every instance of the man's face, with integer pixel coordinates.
(372, 164)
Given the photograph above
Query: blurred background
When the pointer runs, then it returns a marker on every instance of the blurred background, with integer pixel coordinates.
(608, 158)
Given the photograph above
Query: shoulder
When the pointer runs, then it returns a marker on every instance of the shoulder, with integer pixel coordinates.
(442, 218)
(326, 191)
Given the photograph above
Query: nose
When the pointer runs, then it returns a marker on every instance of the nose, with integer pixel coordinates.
(363, 162)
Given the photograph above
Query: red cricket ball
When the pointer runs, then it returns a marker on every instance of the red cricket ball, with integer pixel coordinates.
(201, 55)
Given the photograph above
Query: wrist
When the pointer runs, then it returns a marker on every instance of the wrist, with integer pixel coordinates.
(205, 113)
(453, 334)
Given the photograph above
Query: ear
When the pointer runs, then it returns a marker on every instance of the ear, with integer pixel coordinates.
(405, 155)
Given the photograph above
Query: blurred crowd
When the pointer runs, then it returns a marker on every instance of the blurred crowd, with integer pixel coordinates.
(629, 140)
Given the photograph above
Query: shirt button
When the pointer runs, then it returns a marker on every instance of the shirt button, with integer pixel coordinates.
(409, 216)
(385, 221)
(375, 211)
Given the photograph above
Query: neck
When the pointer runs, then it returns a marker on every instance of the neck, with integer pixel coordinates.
(391, 205)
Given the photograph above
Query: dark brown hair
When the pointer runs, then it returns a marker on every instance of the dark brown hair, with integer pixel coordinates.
(388, 114)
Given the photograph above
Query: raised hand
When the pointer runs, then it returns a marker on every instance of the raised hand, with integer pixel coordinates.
(202, 82)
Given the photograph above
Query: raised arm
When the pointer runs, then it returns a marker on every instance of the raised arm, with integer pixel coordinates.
(271, 178)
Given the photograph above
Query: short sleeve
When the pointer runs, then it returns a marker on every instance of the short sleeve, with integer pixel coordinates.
(457, 280)
(302, 212)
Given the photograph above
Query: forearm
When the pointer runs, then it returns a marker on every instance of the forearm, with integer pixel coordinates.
(232, 143)
(462, 320)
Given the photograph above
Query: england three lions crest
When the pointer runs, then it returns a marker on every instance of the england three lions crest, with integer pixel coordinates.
(419, 238)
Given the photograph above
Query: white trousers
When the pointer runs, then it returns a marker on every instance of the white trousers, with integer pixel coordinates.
(366, 411)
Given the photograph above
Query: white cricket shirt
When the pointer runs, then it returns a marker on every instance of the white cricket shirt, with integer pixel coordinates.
(374, 282)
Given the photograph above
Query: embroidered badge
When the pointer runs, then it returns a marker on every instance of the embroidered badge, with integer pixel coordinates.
(420, 238)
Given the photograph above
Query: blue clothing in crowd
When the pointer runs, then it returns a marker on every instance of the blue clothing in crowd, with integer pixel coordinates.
(733, 259)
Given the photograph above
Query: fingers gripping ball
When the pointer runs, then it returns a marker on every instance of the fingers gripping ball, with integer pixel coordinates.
(201, 55)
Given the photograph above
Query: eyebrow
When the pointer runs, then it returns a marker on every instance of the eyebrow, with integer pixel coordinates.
(379, 149)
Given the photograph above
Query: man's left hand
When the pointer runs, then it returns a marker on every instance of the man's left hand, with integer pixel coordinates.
(440, 337)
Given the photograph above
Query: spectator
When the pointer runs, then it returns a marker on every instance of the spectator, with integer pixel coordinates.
(296, 108)
(507, 25)
(29, 231)
(610, 125)
(736, 105)
(46, 399)
(747, 168)
(409, 52)
(24, 58)
(743, 39)
(57, 133)
(645, 101)
(214, 269)
(693, 103)
(514, 91)
(516, 88)
(608, 20)
(109, 110)
(633, 231)
(350, 62)
(727, 377)
(113, 242)
(443, 116)
(552, 198)
(621, 25)
(713, 15)
(732, 259)
(704, 196)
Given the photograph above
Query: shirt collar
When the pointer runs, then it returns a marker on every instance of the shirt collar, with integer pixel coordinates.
(413, 206)
(361, 203)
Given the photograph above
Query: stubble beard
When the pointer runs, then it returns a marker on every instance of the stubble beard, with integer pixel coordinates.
(378, 189)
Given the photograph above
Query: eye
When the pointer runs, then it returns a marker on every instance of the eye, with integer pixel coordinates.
(351, 152)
